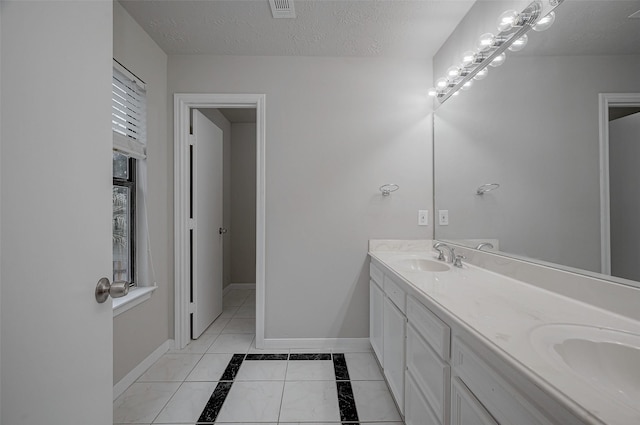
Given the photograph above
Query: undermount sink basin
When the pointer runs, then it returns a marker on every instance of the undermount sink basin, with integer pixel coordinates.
(605, 358)
(423, 265)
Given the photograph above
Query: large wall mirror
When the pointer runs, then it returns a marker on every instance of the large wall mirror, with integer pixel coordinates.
(565, 155)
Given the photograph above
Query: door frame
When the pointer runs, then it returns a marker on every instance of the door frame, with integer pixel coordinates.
(183, 103)
(606, 101)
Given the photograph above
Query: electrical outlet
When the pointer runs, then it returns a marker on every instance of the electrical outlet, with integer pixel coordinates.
(443, 217)
(423, 217)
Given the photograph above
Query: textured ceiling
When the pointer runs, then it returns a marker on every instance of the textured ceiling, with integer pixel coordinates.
(387, 28)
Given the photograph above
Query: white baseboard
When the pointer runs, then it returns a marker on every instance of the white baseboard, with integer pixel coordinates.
(346, 344)
(231, 286)
(137, 371)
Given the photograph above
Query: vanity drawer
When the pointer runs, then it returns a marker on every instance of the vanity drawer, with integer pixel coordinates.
(500, 398)
(430, 327)
(432, 374)
(396, 294)
(376, 274)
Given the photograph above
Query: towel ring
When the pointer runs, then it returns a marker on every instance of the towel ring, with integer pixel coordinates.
(386, 189)
(487, 187)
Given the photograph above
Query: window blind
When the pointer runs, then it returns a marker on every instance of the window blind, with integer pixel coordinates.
(128, 115)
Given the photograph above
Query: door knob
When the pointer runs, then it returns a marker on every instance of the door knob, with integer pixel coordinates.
(222, 230)
(115, 289)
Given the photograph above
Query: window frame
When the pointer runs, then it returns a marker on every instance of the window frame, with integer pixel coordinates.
(130, 183)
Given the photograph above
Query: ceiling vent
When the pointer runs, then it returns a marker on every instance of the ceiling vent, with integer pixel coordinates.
(282, 9)
(635, 15)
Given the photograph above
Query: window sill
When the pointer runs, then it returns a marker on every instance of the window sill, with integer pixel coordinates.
(135, 296)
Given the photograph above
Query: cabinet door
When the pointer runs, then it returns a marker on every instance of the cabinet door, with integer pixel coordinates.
(417, 409)
(465, 408)
(376, 302)
(394, 325)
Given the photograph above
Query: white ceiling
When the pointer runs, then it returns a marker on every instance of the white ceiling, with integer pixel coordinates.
(355, 28)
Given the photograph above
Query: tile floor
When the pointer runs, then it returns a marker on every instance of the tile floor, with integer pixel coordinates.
(222, 378)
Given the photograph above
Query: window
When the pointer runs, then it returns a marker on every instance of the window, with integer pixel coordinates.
(128, 122)
(124, 218)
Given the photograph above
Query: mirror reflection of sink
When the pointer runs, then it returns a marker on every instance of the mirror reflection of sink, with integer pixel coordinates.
(423, 265)
(607, 359)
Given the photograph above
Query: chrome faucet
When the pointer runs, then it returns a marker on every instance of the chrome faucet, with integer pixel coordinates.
(483, 244)
(439, 246)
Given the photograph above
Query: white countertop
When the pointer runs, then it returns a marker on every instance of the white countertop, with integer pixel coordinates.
(504, 311)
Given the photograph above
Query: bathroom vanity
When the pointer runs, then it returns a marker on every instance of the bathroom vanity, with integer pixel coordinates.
(467, 346)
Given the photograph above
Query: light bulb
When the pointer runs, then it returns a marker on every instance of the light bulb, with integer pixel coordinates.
(467, 85)
(441, 83)
(433, 92)
(507, 20)
(485, 42)
(481, 74)
(468, 57)
(453, 72)
(545, 22)
(519, 43)
(498, 60)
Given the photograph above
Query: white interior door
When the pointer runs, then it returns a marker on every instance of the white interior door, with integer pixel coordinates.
(207, 243)
(56, 340)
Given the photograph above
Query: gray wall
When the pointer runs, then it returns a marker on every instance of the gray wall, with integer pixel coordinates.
(139, 331)
(243, 203)
(336, 129)
(223, 124)
(624, 175)
(532, 126)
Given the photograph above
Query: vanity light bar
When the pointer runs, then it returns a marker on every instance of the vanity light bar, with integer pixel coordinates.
(492, 48)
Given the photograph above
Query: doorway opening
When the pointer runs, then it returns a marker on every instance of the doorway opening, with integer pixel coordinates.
(619, 146)
(243, 225)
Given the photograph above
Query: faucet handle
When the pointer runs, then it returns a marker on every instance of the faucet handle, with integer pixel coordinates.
(458, 260)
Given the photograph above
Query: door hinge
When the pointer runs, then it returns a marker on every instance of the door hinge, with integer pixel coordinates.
(191, 139)
(191, 223)
(192, 308)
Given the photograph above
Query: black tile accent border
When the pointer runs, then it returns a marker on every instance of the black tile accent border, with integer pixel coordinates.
(267, 357)
(232, 368)
(340, 367)
(310, 356)
(346, 402)
(211, 410)
(346, 399)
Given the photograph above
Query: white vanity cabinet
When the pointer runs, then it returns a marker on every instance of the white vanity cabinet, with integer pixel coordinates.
(441, 373)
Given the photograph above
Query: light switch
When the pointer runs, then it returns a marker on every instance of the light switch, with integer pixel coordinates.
(423, 217)
(443, 217)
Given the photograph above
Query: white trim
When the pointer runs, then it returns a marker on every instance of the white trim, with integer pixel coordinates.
(605, 101)
(183, 103)
(133, 298)
(346, 344)
(241, 286)
(142, 367)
